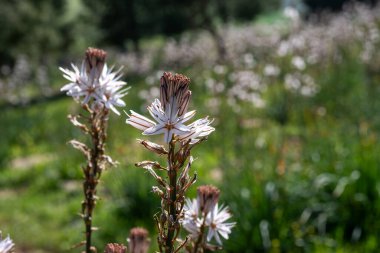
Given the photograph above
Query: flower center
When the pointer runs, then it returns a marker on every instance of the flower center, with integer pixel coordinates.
(169, 126)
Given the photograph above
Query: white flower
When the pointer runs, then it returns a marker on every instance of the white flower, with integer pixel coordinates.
(95, 81)
(198, 129)
(191, 221)
(215, 220)
(168, 121)
(6, 245)
(298, 62)
(170, 113)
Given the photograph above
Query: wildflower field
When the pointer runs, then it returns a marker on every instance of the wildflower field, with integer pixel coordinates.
(296, 111)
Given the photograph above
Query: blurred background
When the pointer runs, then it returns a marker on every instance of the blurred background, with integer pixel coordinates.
(293, 87)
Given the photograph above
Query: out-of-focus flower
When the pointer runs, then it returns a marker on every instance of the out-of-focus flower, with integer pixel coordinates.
(271, 70)
(6, 245)
(291, 13)
(215, 220)
(191, 221)
(298, 62)
(138, 241)
(204, 212)
(95, 81)
(170, 113)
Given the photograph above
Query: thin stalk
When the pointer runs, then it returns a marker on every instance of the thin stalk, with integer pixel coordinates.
(92, 173)
(201, 235)
(172, 219)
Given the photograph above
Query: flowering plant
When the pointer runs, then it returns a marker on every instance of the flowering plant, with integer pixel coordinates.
(170, 115)
(102, 91)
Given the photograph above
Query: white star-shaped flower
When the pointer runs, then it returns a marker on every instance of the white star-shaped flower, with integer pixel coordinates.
(95, 82)
(191, 222)
(215, 220)
(167, 122)
(170, 113)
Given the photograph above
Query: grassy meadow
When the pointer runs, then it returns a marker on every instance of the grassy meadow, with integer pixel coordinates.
(295, 152)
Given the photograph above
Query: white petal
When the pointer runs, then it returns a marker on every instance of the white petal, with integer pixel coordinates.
(188, 116)
(157, 129)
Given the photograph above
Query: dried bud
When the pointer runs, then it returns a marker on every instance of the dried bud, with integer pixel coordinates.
(175, 89)
(95, 59)
(81, 147)
(138, 241)
(207, 197)
(184, 176)
(149, 164)
(157, 191)
(74, 120)
(115, 248)
(154, 147)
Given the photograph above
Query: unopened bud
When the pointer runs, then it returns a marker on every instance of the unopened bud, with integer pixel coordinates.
(207, 197)
(138, 241)
(154, 147)
(175, 87)
(95, 59)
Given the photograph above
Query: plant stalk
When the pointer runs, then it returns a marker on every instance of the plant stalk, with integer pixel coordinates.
(172, 219)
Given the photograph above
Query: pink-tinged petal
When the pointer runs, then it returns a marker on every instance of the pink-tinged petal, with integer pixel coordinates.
(113, 108)
(168, 136)
(210, 234)
(188, 116)
(157, 113)
(158, 129)
(182, 128)
(138, 121)
(217, 238)
(68, 87)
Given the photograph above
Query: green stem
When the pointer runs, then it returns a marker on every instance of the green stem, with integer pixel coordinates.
(201, 235)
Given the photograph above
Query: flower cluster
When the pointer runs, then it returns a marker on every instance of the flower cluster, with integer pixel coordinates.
(204, 213)
(170, 113)
(95, 82)
(102, 90)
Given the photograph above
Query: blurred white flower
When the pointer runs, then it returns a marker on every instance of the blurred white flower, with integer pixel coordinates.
(298, 62)
(291, 13)
(215, 220)
(95, 81)
(271, 70)
(203, 213)
(6, 245)
(191, 221)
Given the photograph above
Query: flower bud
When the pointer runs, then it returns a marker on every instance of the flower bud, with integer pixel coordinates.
(95, 59)
(138, 241)
(207, 197)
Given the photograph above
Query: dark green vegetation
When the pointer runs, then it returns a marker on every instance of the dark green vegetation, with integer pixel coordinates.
(295, 151)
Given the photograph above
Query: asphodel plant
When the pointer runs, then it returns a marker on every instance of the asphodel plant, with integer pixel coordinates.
(170, 115)
(98, 90)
